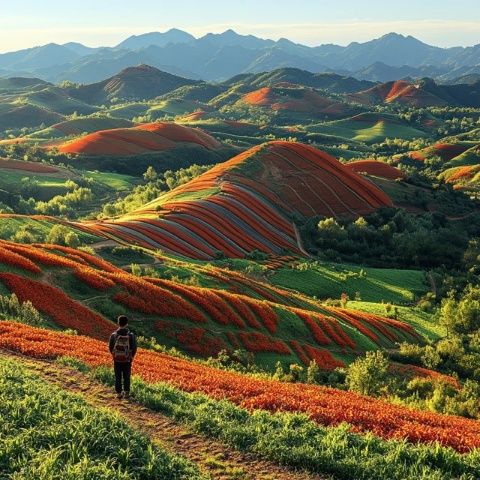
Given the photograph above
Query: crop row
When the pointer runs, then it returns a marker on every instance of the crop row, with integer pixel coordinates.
(326, 406)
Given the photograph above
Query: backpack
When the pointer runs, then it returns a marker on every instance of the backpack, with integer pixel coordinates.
(121, 350)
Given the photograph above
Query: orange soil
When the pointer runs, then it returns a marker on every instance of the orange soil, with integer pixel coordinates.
(26, 166)
(310, 101)
(149, 137)
(375, 168)
(446, 151)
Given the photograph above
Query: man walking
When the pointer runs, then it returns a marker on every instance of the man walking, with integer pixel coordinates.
(123, 347)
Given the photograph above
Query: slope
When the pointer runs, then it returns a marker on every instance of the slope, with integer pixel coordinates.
(424, 93)
(150, 137)
(291, 100)
(200, 321)
(138, 83)
(248, 203)
(371, 127)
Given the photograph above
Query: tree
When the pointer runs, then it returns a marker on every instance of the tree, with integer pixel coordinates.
(150, 175)
(367, 375)
(58, 235)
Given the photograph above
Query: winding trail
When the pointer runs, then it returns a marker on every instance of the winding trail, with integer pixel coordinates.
(213, 458)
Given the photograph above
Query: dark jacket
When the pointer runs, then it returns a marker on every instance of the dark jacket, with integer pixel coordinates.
(123, 331)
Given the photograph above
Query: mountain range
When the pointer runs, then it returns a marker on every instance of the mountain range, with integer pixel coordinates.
(216, 57)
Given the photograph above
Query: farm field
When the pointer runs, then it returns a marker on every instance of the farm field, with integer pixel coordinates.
(295, 245)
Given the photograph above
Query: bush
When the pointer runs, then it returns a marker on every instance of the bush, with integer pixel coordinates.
(367, 375)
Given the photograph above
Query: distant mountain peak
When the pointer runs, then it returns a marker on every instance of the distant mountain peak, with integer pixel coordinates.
(159, 39)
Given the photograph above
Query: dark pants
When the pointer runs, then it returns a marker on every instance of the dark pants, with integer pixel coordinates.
(122, 370)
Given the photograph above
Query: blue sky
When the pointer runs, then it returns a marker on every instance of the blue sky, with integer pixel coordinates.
(313, 22)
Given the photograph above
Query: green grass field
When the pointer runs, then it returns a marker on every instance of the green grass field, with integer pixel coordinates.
(39, 228)
(48, 185)
(327, 280)
(49, 434)
(424, 322)
(376, 129)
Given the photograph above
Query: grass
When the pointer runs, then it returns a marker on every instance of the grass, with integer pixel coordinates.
(39, 228)
(376, 129)
(469, 157)
(50, 434)
(114, 181)
(80, 125)
(327, 280)
(295, 441)
(424, 322)
(48, 185)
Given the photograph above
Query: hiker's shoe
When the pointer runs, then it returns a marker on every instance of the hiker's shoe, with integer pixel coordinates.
(126, 395)
(119, 396)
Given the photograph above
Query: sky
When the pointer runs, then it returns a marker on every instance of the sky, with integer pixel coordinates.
(445, 23)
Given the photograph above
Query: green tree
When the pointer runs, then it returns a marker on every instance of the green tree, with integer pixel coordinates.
(367, 375)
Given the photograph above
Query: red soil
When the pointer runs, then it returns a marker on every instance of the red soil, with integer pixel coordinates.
(300, 100)
(464, 173)
(446, 151)
(149, 137)
(397, 91)
(375, 168)
(400, 87)
(33, 167)
(197, 115)
(251, 210)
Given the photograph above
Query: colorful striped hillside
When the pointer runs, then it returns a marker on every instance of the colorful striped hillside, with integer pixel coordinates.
(248, 203)
(73, 290)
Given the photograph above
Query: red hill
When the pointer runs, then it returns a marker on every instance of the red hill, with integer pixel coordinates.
(145, 138)
(292, 98)
(248, 203)
(375, 168)
(446, 151)
(400, 91)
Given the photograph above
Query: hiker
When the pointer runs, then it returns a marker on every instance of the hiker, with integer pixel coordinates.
(123, 347)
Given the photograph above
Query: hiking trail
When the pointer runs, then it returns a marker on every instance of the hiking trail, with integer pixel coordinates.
(212, 457)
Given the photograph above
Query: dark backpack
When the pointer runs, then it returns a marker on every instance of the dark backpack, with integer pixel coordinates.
(121, 350)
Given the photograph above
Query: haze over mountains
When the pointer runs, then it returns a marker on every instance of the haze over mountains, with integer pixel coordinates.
(217, 57)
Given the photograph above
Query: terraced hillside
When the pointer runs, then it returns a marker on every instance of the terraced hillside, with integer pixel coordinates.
(200, 321)
(259, 191)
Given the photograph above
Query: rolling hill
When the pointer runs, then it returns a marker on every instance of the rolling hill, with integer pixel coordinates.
(151, 137)
(326, 81)
(259, 191)
(370, 127)
(79, 126)
(138, 83)
(196, 320)
(424, 93)
(20, 115)
(445, 150)
(376, 169)
(288, 99)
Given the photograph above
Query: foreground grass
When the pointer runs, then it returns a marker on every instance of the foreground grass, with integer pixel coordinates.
(295, 441)
(46, 433)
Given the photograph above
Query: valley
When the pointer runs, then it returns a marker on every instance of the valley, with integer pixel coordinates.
(298, 253)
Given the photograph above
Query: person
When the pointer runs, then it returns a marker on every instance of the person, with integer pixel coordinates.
(123, 347)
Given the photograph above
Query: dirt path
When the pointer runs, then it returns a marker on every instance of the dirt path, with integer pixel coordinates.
(220, 462)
